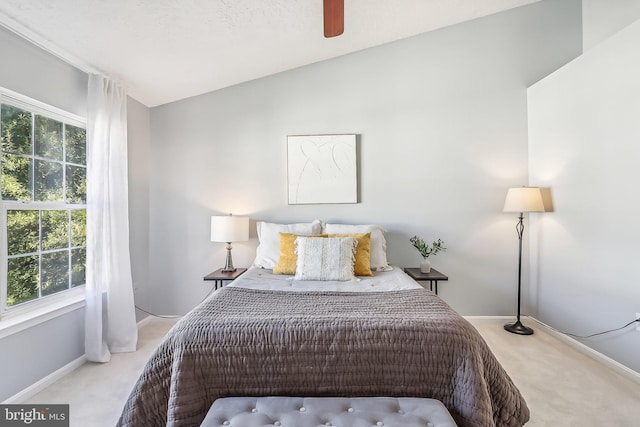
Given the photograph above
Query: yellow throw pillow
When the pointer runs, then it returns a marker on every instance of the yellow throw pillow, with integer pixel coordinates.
(362, 266)
(288, 258)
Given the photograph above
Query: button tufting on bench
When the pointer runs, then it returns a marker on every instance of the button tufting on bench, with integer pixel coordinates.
(328, 411)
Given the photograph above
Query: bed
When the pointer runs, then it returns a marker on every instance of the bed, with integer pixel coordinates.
(269, 334)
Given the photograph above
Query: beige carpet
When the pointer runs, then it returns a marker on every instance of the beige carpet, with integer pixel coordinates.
(562, 387)
(96, 392)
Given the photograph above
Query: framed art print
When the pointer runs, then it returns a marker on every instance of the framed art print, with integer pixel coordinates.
(322, 169)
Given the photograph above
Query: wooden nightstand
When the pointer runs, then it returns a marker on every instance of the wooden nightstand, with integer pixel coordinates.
(433, 277)
(219, 277)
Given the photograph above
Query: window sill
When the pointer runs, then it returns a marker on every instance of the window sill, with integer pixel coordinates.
(15, 322)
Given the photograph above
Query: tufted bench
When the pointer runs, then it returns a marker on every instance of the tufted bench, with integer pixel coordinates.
(327, 411)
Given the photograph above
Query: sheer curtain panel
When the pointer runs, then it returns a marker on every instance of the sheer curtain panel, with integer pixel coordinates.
(110, 312)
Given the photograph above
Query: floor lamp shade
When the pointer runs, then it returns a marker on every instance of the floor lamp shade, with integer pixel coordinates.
(524, 199)
(229, 229)
(521, 200)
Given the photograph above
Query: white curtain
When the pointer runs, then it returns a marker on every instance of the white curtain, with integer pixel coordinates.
(110, 312)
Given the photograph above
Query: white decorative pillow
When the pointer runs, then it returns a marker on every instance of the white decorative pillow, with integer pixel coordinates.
(378, 243)
(268, 250)
(325, 258)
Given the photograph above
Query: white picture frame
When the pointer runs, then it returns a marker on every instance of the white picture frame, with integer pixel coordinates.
(322, 169)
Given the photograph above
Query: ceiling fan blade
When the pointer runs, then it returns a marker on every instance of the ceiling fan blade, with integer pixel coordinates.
(333, 18)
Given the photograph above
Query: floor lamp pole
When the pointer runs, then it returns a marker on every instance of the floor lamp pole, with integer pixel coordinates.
(518, 327)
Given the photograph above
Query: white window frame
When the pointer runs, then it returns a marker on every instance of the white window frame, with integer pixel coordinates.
(29, 313)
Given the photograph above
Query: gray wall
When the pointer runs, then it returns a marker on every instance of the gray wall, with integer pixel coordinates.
(584, 130)
(139, 146)
(34, 353)
(30, 355)
(30, 71)
(603, 18)
(442, 125)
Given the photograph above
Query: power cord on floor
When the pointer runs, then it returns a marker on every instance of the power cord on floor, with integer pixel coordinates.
(161, 316)
(595, 334)
(172, 316)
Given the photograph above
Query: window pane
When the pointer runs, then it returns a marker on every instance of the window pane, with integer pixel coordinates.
(79, 227)
(22, 232)
(78, 266)
(55, 272)
(76, 144)
(22, 279)
(16, 178)
(55, 230)
(42, 160)
(16, 130)
(48, 178)
(48, 138)
(76, 184)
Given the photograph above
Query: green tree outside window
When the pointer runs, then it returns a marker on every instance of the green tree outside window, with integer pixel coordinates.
(42, 162)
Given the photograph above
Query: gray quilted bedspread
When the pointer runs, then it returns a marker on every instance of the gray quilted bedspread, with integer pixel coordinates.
(244, 342)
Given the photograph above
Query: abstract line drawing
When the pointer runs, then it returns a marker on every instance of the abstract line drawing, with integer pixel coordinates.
(322, 169)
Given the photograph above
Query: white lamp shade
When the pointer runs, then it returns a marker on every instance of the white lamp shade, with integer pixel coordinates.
(524, 199)
(229, 228)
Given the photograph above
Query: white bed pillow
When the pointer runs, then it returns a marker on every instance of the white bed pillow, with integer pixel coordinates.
(325, 258)
(378, 243)
(268, 250)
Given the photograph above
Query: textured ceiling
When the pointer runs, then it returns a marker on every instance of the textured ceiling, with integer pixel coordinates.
(165, 50)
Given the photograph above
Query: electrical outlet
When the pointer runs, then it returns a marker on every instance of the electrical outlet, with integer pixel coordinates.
(637, 323)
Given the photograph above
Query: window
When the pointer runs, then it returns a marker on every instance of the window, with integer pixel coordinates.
(43, 172)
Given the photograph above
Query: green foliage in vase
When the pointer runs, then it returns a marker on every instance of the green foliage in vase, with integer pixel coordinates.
(426, 250)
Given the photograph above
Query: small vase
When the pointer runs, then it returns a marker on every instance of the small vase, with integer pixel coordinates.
(425, 266)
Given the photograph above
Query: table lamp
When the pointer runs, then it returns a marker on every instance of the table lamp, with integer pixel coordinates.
(229, 229)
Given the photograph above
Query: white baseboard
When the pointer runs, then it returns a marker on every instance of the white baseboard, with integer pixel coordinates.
(618, 367)
(144, 321)
(482, 319)
(45, 382)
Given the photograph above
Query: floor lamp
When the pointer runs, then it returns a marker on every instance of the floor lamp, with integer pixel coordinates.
(229, 229)
(521, 200)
